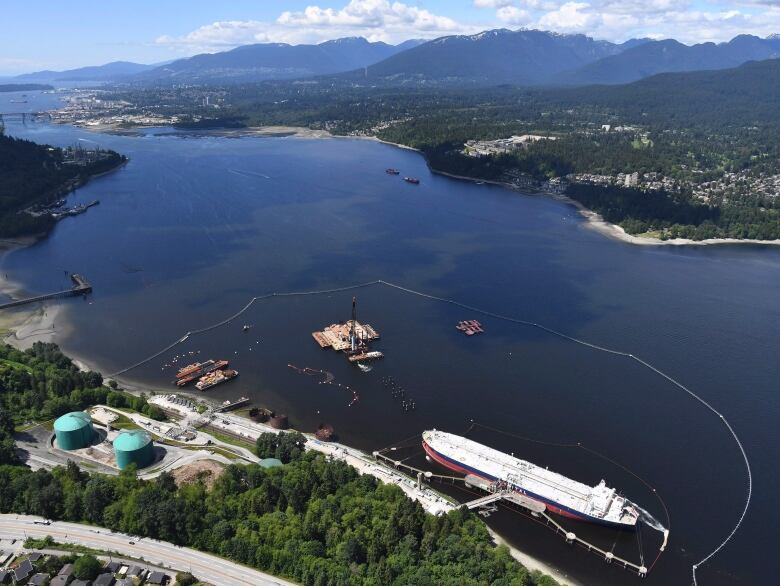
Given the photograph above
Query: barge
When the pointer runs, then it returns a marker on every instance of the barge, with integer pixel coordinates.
(215, 378)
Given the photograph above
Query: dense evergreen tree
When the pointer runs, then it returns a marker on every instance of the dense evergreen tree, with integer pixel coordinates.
(32, 174)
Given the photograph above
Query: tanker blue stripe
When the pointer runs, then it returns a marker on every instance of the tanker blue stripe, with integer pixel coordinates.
(578, 514)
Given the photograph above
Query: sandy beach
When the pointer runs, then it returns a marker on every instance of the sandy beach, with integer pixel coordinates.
(264, 131)
(600, 225)
(532, 563)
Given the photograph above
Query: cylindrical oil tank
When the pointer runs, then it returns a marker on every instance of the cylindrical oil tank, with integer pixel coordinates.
(133, 447)
(74, 431)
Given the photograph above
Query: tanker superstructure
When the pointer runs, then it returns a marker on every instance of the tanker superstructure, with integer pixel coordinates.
(563, 496)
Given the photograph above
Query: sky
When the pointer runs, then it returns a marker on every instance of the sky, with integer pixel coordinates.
(40, 34)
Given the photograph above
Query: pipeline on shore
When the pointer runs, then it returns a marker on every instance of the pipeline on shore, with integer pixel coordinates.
(517, 321)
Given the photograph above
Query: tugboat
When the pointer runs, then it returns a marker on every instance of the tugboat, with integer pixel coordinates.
(412, 180)
(392, 171)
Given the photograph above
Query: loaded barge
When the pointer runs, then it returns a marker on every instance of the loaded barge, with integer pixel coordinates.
(194, 371)
(212, 379)
(594, 504)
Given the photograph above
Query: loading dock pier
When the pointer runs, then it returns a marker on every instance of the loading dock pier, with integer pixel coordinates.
(80, 287)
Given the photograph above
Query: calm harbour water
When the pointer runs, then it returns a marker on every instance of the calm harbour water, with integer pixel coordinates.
(193, 227)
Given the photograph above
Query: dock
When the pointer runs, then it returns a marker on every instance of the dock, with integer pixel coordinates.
(230, 405)
(80, 287)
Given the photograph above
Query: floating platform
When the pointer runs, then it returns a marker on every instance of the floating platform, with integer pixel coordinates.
(470, 327)
(336, 336)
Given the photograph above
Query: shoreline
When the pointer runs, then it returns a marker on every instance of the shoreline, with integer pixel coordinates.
(593, 220)
(532, 563)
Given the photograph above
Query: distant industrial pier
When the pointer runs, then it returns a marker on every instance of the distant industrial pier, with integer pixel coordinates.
(80, 287)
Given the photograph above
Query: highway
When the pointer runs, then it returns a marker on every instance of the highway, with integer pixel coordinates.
(203, 566)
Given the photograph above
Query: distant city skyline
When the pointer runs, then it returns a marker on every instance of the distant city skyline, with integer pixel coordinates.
(47, 35)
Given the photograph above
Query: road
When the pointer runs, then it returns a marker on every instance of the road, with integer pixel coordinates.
(204, 566)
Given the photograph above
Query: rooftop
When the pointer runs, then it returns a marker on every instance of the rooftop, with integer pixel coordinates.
(72, 421)
(132, 440)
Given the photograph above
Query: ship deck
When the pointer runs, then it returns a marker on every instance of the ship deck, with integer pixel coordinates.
(593, 501)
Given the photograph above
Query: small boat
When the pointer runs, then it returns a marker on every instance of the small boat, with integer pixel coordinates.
(392, 171)
(412, 180)
(373, 355)
(246, 327)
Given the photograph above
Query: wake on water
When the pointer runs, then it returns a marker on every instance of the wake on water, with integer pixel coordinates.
(649, 520)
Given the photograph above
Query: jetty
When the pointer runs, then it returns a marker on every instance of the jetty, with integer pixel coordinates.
(80, 287)
(230, 405)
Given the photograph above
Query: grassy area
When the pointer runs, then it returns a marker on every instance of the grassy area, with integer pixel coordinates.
(213, 449)
(229, 439)
(124, 422)
(15, 365)
(49, 543)
(28, 425)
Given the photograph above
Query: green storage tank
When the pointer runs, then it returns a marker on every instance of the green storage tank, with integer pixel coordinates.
(270, 463)
(133, 447)
(74, 431)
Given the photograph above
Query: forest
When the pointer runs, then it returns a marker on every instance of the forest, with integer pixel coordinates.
(34, 174)
(313, 520)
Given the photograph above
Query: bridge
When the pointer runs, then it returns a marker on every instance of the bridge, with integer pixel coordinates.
(22, 116)
(80, 287)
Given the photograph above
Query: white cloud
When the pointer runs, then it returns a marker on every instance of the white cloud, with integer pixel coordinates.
(571, 17)
(513, 15)
(395, 21)
(492, 3)
(377, 20)
(220, 35)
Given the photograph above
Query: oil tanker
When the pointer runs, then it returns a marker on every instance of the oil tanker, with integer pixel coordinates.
(563, 496)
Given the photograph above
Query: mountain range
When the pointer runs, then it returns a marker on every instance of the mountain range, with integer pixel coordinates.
(501, 56)
(671, 56)
(524, 57)
(748, 95)
(531, 57)
(108, 72)
(275, 61)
